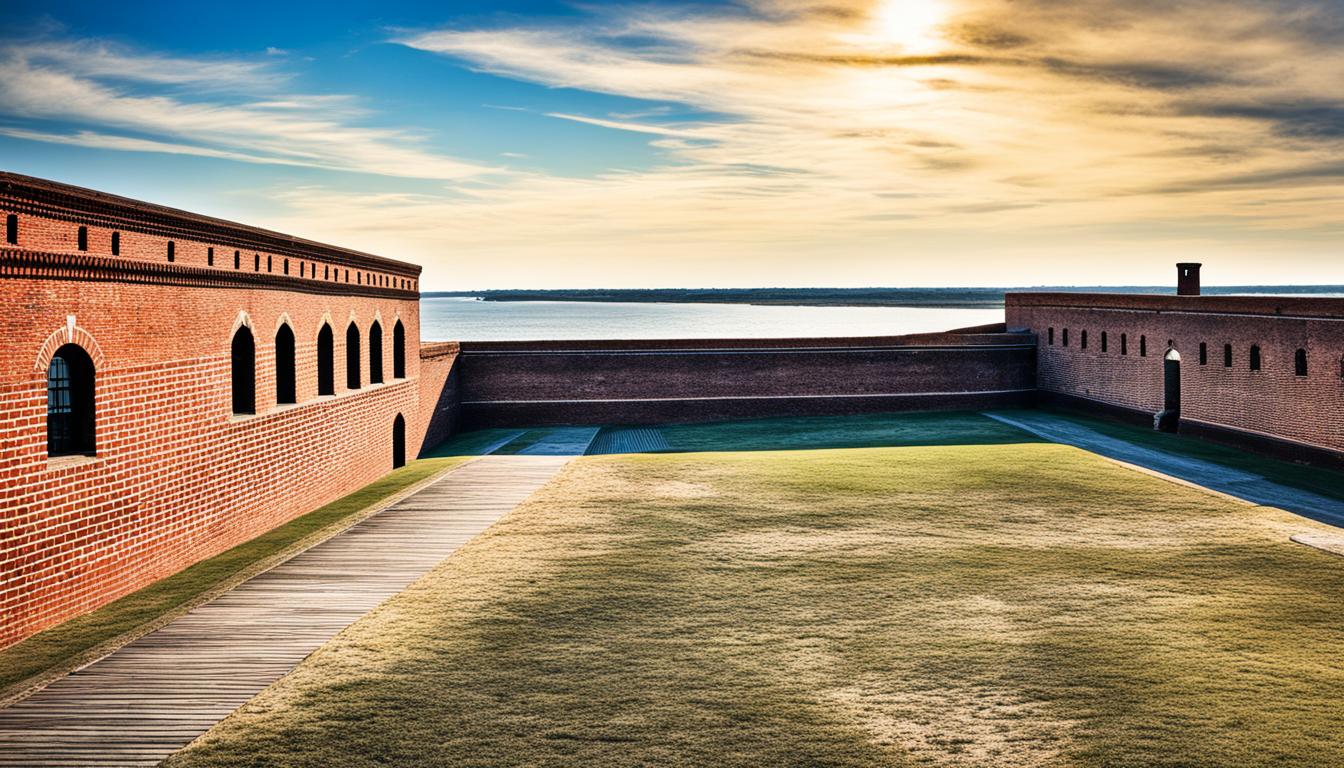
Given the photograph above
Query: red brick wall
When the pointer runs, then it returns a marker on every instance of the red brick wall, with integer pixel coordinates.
(1272, 402)
(177, 477)
(440, 399)
(632, 382)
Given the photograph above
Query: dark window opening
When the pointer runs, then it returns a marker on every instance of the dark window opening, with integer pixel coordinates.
(326, 361)
(12, 229)
(268, 262)
(1203, 353)
(1066, 337)
(1124, 344)
(1300, 362)
(1227, 355)
(398, 442)
(1104, 342)
(303, 269)
(286, 266)
(1143, 346)
(285, 389)
(352, 377)
(1082, 340)
(1255, 358)
(399, 351)
(237, 260)
(172, 251)
(326, 272)
(1050, 336)
(116, 243)
(83, 238)
(70, 407)
(210, 256)
(256, 262)
(244, 354)
(376, 353)
(347, 275)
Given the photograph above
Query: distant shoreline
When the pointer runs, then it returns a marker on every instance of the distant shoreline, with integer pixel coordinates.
(963, 298)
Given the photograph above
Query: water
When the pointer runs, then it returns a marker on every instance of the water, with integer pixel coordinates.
(453, 318)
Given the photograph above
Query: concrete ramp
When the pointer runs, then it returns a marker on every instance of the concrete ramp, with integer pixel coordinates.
(628, 440)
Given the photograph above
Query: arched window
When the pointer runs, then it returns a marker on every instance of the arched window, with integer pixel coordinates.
(1124, 343)
(1255, 358)
(83, 238)
(1300, 362)
(12, 229)
(116, 243)
(70, 422)
(326, 361)
(1103, 341)
(285, 389)
(398, 442)
(1203, 353)
(256, 262)
(286, 266)
(1082, 339)
(376, 353)
(1227, 355)
(352, 377)
(1143, 346)
(244, 355)
(399, 351)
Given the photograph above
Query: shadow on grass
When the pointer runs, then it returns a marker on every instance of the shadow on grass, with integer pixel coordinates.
(880, 430)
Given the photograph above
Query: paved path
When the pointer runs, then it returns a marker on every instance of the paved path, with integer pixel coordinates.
(155, 695)
(1244, 485)
(562, 441)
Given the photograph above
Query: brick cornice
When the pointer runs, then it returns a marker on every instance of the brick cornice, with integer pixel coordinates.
(18, 263)
(64, 202)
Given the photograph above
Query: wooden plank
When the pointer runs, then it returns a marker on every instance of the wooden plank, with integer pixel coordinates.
(157, 694)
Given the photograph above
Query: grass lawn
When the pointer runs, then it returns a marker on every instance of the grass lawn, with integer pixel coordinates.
(860, 431)
(70, 643)
(1008, 605)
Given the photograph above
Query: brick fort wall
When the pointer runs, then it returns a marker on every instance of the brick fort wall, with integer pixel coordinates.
(640, 382)
(176, 476)
(1270, 408)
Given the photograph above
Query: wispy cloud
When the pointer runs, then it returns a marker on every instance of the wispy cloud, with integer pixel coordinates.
(238, 110)
(1030, 122)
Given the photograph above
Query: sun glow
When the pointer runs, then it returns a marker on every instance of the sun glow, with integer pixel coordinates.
(911, 24)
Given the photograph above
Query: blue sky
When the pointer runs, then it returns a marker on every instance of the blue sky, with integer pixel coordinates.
(767, 142)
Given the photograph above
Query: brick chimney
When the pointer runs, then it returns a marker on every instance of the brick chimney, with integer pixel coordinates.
(1187, 279)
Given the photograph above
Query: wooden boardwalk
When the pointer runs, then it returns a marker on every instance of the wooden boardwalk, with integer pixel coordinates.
(152, 697)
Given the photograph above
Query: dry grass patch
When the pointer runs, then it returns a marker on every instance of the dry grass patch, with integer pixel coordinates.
(997, 605)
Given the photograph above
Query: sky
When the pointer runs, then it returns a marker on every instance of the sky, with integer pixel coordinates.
(514, 144)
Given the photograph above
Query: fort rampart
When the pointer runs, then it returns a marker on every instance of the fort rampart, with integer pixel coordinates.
(1265, 372)
(640, 382)
(170, 456)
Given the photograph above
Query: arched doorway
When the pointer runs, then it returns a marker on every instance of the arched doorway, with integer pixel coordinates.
(398, 442)
(1171, 391)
